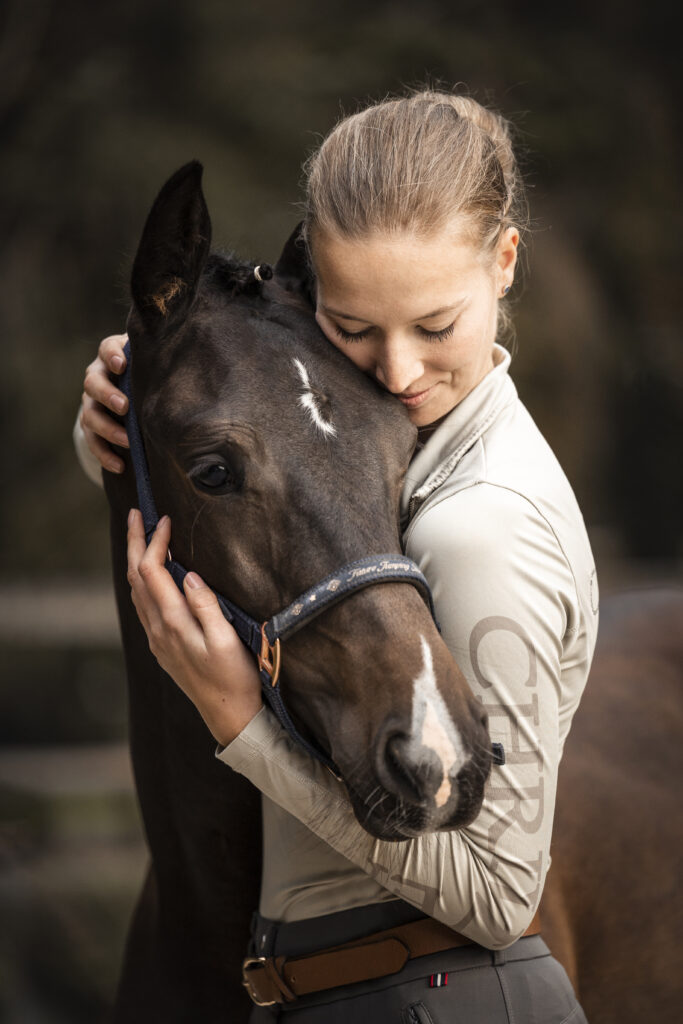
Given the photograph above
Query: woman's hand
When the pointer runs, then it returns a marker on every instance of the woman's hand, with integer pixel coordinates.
(99, 395)
(190, 637)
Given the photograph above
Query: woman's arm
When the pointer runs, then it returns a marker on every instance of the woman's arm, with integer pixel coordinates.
(505, 596)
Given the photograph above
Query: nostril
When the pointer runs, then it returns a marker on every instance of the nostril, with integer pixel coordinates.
(400, 769)
(413, 774)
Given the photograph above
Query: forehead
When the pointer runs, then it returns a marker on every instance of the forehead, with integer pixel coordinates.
(402, 274)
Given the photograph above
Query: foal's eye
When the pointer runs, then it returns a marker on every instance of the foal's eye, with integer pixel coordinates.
(214, 478)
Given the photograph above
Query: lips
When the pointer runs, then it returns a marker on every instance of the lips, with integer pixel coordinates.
(412, 401)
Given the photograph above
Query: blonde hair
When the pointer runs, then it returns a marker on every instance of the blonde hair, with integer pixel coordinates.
(415, 163)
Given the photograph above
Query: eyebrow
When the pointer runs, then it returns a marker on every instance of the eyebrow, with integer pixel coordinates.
(425, 316)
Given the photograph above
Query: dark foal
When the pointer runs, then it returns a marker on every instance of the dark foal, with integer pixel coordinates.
(278, 462)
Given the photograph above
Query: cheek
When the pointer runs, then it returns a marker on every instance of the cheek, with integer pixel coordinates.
(447, 360)
(474, 338)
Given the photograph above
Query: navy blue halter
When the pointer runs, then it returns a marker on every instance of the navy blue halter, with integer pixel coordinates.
(263, 639)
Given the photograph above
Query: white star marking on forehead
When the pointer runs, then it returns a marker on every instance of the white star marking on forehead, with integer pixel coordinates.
(307, 401)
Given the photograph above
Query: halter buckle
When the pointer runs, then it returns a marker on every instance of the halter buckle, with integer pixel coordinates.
(269, 657)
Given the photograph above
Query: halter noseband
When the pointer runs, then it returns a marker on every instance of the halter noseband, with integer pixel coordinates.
(263, 639)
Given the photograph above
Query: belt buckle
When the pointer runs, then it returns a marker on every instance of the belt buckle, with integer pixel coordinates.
(247, 965)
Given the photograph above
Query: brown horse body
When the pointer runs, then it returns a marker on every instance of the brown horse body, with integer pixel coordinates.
(212, 354)
(612, 911)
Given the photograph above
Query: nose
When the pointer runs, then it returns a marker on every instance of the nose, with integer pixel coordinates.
(398, 365)
(408, 770)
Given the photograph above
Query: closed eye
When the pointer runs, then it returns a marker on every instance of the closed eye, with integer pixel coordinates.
(347, 336)
(441, 335)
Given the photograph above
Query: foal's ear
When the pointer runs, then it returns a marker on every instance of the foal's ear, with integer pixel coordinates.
(172, 253)
(293, 270)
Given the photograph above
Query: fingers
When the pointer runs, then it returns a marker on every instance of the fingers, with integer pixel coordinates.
(136, 544)
(98, 387)
(190, 639)
(205, 607)
(99, 428)
(97, 421)
(147, 562)
(103, 453)
(154, 588)
(160, 606)
(169, 605)
(157, 596)
(111, 352)
(136, 550)
(157, 551)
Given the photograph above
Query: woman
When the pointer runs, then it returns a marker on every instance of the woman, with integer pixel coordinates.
(413, 221)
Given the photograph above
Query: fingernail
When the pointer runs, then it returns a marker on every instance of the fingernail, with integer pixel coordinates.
(163, 521)
(122, 439)
(117, 363)
(119, 402)
(193, 580)
(114, 467)
(131, 517)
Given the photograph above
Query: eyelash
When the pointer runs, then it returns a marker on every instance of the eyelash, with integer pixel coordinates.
(429, 335)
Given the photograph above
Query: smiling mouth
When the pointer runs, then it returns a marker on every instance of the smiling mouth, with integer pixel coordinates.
(416, 398)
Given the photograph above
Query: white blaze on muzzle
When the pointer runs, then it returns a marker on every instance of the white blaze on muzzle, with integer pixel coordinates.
(433, 727)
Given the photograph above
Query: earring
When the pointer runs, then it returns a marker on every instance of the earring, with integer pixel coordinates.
(506, 289)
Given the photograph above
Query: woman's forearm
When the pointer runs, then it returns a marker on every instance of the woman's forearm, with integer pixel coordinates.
(451, 876)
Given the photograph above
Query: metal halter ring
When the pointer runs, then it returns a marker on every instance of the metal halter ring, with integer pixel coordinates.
(269, 657)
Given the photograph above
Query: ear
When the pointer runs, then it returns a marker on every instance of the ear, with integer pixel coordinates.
(172, 253)
(292, 270)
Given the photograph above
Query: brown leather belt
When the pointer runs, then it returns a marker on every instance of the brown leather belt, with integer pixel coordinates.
(278, 979)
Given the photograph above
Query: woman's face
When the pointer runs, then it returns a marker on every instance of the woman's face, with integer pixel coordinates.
(418, 315)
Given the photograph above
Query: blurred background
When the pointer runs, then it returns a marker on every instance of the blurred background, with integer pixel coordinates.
(99, 103)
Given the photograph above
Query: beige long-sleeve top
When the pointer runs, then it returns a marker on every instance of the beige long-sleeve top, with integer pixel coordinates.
(492, 522)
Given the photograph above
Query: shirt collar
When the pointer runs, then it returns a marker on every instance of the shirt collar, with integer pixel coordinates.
(464, 425)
